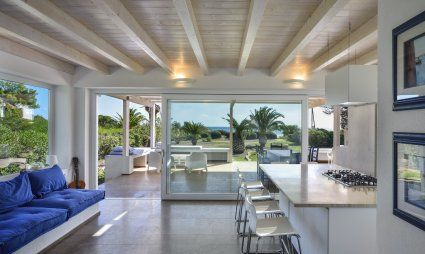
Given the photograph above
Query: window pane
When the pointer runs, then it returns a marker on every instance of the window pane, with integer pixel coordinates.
(24, 134)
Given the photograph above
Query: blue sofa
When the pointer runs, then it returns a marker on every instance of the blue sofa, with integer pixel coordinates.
(36, 202)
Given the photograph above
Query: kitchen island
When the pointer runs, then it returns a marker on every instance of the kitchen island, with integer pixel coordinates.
(330, 217)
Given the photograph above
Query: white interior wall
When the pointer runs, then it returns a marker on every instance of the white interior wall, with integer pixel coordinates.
(218, 81)
(359, 153)
(394, 234)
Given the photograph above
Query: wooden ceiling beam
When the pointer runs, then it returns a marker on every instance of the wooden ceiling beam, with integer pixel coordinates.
(369, 58)
(346, 45)
(323, 14)
(128, 24)
(187, 17)
(56, 17)
(32, 55)
(10, 27)
(256, 11)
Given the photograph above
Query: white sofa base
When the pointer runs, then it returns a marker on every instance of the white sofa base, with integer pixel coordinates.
(45, 240)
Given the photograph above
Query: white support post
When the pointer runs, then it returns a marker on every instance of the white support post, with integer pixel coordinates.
(304, 130)
(337, 126)
(152, 125)
(126, 127)
(230, 155)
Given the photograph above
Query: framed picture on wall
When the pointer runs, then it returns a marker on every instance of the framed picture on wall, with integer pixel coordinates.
(409, 177)
(409, 64)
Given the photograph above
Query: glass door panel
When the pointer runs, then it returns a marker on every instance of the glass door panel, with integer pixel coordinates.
(199, 156)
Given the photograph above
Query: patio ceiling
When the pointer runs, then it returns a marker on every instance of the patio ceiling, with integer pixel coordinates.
(283, 36)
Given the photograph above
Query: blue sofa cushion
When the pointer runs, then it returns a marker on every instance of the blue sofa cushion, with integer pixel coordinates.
(23, 224)
(74, 200)
(15, 192)
(45, 181)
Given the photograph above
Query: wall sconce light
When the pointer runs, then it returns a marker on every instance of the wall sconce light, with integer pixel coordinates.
(294, 83)
(183, 82)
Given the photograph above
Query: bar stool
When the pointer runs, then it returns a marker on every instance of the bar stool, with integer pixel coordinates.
(250, 185)
(254, 195)
(270, 227)
(266, 208)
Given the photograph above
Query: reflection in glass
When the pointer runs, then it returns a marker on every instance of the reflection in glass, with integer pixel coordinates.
(411, 174)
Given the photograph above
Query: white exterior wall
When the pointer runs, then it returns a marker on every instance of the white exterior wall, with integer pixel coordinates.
(394, 234)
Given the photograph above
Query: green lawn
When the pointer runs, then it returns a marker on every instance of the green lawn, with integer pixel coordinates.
(251, 152)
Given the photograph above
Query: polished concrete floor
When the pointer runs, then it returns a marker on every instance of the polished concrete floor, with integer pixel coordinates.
(153, 227)
(220, 178)
(140, 184)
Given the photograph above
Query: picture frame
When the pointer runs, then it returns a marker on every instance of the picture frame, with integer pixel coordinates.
(409, 64)
(409, 177)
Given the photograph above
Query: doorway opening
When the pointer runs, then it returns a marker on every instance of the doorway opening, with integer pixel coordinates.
(129, 147)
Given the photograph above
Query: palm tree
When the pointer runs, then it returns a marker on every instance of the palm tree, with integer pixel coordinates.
(176, 132)
(265, 120)
(241, 130)
(136, 118)
(194, 131)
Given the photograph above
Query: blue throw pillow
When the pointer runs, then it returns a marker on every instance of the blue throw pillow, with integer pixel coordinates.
(15, 192)
(47, 180)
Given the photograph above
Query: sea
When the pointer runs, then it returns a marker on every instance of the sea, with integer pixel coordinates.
(227, 129)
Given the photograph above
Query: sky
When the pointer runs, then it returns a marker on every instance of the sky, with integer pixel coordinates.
(42, 100)
(110, 106)
(210, 114)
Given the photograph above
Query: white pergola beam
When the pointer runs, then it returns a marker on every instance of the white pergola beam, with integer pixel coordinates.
(187, 17)
(10, 27)
(323, 14)
(56, 17)
(128, 24)
(346, 45)
(32, 55)
(256, 11)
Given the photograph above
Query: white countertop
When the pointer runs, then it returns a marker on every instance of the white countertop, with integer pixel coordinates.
(309, 188)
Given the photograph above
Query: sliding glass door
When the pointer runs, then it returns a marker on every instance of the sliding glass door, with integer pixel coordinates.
(203, 149)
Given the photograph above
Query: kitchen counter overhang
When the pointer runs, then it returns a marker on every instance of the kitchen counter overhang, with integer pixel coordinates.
(307, 187)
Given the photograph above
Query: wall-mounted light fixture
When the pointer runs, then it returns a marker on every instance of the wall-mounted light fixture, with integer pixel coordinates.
(294, 83)
(182, 82)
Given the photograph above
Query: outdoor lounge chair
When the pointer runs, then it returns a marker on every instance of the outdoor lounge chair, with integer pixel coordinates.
(196, 160)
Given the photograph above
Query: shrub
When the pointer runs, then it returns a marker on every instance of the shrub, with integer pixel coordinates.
(252, 136)
(271, 135)
(215, 135)
(107, 141)
(224, 133)
(205, 135)
(320, 138)
(100, 176)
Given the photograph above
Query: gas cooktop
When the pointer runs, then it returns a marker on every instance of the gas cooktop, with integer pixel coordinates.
(351, 178)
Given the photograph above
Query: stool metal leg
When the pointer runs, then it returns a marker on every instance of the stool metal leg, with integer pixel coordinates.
(244, 229)
(256, 245)
(248, 244)
(238, 198)
(240, 216)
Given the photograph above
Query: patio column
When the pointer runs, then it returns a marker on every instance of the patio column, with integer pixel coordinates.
(126, 126)
(230, 155)
(152, 125)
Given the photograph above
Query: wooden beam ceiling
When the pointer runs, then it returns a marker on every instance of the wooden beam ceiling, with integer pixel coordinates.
(23, 32)
(349, 43)
(32, 55)
(316, 23)
(56, 17)
(369, 58)
(256, 11)
(128, 24)
(188, 20)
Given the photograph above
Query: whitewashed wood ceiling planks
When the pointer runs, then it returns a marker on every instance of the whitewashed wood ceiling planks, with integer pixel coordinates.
(221, 25)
